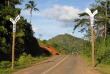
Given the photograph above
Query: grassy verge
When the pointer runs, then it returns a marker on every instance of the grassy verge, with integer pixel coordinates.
(103, 68)
(23, 64)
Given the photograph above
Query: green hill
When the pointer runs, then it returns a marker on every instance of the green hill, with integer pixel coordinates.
(67, 43)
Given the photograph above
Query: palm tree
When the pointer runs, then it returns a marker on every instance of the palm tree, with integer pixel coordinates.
(101, 20)
(31, 6)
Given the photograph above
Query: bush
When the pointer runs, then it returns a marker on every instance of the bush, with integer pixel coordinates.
(106, 60)
(5, 64)
(102, 50)
(25, 58)
(16, 63)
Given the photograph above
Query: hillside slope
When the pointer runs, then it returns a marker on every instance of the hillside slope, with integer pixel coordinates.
(68, 43)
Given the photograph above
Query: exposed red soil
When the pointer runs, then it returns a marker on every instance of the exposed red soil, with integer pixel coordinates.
(50, 49)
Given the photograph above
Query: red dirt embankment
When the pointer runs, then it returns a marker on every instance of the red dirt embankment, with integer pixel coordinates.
(50, 49)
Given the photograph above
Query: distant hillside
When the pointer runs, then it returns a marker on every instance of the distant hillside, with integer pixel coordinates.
(68, 43)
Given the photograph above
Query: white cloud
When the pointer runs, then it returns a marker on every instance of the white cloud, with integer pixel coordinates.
(64, 14)
(72, 34)
(35, 29)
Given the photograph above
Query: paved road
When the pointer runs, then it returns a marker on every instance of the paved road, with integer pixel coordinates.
(63, 64)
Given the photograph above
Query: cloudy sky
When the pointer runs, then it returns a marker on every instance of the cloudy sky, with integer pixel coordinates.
(55, 17)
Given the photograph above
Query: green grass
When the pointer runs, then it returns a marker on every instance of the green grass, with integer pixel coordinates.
(23, 65)
(102, 68)
(6, 71)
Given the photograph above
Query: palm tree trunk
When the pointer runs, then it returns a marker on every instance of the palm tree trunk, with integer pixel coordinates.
(31, 15)
(8, 2)
(106, 23)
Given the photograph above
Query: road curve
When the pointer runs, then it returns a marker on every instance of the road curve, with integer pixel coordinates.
(62, 64)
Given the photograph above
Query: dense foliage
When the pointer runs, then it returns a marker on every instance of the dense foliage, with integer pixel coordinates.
(67, 43)
(102, 47)
(100, 19)
(102, 50)
(25, 41)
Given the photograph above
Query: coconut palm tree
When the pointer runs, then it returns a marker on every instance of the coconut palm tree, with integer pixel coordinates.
(31, 6)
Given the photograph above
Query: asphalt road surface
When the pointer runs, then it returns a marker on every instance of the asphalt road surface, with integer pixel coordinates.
(62, 64)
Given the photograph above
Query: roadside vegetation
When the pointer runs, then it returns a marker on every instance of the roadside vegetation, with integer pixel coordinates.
(102, 54)
(27, 49)
(24, 61)
(101, 35)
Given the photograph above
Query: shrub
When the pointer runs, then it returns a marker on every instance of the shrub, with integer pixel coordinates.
(106, 60)
(25, 58)
(16, 63)
(5, 64)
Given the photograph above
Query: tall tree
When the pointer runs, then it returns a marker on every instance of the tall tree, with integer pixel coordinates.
(25, 41)
(106, 22)
(100, 18)
(31, 6)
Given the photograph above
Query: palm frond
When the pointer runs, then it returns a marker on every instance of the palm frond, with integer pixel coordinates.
(83, 29)
(81, 22)
(28, 6)
(83, 14)
(36, 9)
(32, 3)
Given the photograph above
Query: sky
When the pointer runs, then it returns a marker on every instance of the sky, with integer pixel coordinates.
(55, 17)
